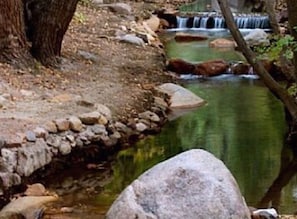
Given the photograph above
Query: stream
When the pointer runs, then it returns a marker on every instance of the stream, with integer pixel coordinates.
(242, 124)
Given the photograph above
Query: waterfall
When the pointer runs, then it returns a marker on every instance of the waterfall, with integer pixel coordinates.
(243, 21)
(182, 22)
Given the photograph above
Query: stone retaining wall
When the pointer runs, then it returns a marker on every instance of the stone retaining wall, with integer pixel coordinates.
(31, 151)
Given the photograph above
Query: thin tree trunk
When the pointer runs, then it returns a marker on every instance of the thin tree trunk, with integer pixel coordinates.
(47, 22)
(275, 88)
(292, 14)
(13, 46)
(270, 8)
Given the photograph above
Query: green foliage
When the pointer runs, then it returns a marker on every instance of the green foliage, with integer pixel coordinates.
(284, 45)
(293, 89)
(85, 2)
(79, 17)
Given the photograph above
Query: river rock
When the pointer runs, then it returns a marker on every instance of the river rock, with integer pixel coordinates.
(180, 66)
(186, 37)
(191, 185)
(222, 43)
(36, 189)
(23, 204)
(257, 37)
(241, 68)
(180, 97)
(212, 68)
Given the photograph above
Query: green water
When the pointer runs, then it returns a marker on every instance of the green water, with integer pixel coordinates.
(242, 124)
(198, 51)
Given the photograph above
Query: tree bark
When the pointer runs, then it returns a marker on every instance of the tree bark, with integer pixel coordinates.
(47, 22)
(270, 8)
(13, 45)
(274, 87)
(292, 14)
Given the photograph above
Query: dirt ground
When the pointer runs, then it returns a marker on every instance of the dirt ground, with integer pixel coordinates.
(96, 68)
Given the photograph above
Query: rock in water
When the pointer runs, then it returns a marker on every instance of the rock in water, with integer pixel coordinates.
(191, 185)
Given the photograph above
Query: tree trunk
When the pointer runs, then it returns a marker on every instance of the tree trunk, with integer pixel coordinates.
(47, 22)
(274, 87)
(292, 14)
(13, 46)
(270, 8)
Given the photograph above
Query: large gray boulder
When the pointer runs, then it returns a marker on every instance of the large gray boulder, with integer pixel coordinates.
(192, 185)
(257, 37)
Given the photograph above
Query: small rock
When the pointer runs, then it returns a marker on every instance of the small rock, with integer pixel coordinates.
(121, 127)
(90, 118)
(15, 141)
(51, 127)
(104, 110)
(10, 179)
(75, 124)
(102, 120)
(54, 141)
(40, 132)
(88, 56)
(120, 8)
(108, 141)
(30, 136)
(2, 142)
(65, 148)
(265, 214)
(99, 129)
(10, 159)
(36, 189)
(131, 38)
(62, 124)
(66, 209)
(116, 135)
(140, 127)
(148, 115)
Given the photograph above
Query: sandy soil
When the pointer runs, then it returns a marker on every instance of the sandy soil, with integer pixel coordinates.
(118, 75)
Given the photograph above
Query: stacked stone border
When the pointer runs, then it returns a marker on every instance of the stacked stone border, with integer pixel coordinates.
(33, 150)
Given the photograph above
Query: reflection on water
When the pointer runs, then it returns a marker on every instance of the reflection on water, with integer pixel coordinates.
(242, 124)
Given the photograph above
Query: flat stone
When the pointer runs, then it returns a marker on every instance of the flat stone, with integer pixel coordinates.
(62, 124)
(90, 118)
(75, 124)
(23, 204)
(180, 97)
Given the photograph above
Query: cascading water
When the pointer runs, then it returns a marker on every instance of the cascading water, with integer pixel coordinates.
(243, 22)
